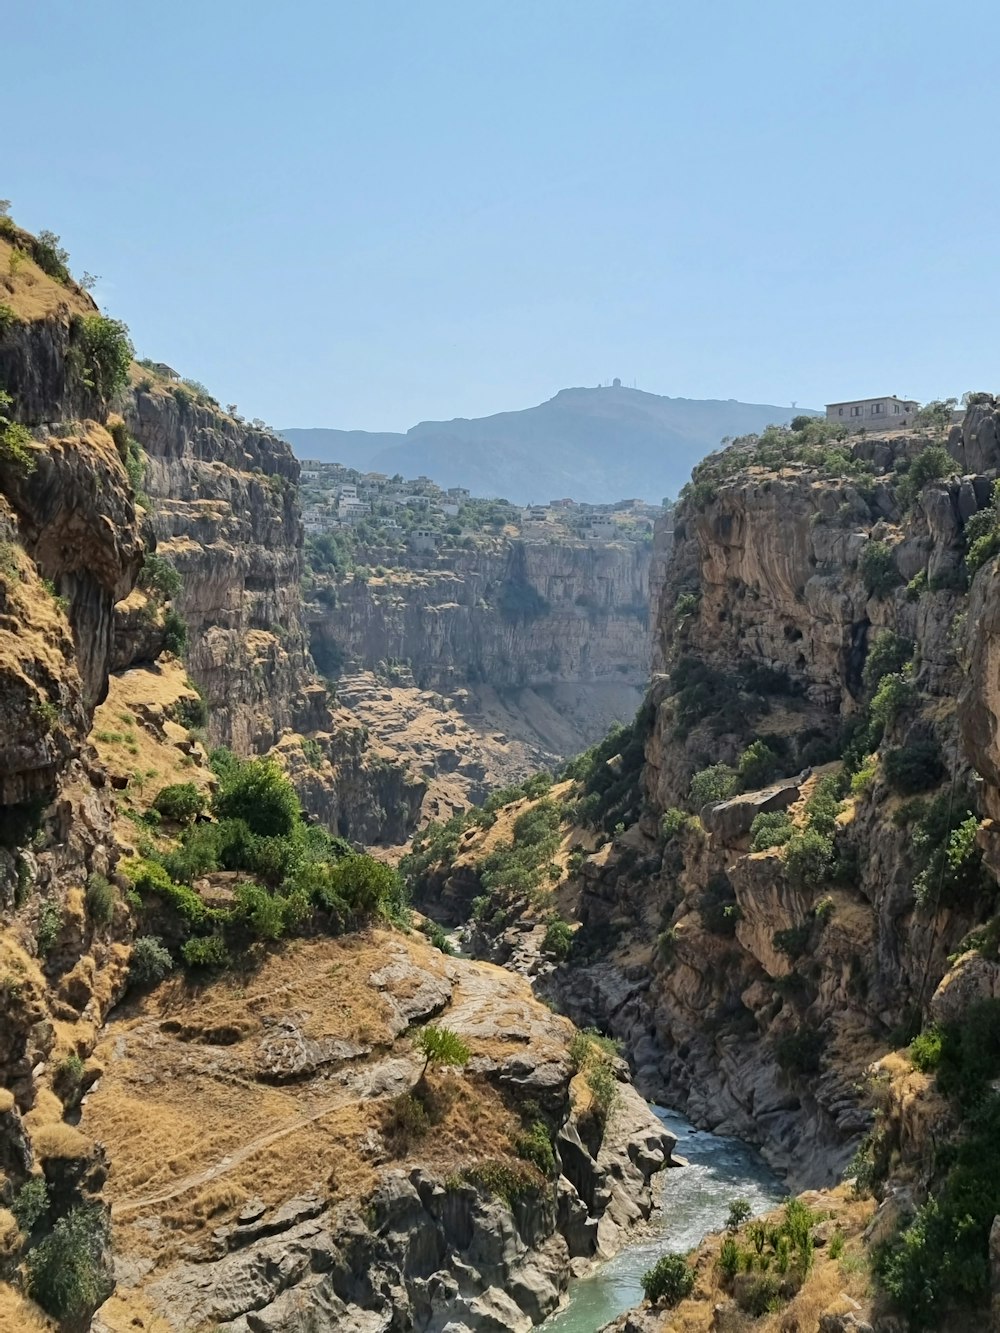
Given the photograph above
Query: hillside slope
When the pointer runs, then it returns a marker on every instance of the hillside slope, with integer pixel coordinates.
(592, 444)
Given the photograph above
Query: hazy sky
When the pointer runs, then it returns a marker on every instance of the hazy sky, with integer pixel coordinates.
(366, 214)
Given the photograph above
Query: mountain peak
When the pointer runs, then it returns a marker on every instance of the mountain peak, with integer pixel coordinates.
(594, 443)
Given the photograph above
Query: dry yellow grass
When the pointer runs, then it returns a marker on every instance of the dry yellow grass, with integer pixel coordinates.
(140, 744)
(32, 294)
(18, 1315)
(59, 1140)
(836, 1285)
(192, 1133)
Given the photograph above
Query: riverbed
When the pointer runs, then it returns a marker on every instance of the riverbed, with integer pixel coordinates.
(695, 1200)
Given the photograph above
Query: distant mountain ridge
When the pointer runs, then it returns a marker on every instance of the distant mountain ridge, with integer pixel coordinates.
(594, 444)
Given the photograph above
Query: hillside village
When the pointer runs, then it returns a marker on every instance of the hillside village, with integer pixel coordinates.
(419, 515)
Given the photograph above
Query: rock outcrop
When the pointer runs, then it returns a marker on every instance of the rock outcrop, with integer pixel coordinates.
(555, 630)
(423, 1228)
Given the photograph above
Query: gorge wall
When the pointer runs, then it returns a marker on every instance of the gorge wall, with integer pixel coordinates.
(549, 641)
(213, 1109)
(786, 868)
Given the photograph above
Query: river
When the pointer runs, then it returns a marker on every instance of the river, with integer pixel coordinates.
(695, 1201)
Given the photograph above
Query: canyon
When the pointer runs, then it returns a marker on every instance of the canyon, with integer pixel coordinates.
(244, 1086)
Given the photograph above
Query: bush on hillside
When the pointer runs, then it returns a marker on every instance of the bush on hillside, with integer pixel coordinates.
(181, 802)
(669, 1281)
(67, 1274)
(771, 828)
(718, 782)
(888, 652)
(260, 794)
(106, 351)
(149, 961)
(757, 766)
(914, 767)
(717, 906)
(877, 567)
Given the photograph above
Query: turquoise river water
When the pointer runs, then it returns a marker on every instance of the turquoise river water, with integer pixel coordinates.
(695, 1201)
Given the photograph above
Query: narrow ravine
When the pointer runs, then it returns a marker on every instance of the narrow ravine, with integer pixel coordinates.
(695, 1201)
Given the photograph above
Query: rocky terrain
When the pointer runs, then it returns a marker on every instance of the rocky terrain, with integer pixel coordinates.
(223, 1098)
(794, 867)
(550, 637)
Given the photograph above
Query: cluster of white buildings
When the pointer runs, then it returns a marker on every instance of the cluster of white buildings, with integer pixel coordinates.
(349, 498)
(595, 522)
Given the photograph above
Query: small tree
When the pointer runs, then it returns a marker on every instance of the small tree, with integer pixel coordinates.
(441, 1046)
(150, 961)
(260, 794)
(739, 1212)
(669, 1280)
(67, 1274)
(181, 802)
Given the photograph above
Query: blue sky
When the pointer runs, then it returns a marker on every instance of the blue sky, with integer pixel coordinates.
(368, 214)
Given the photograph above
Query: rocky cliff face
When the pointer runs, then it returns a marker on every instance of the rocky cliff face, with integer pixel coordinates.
(765, 622)
(322, 1197)
(562, 622)
(225, 513)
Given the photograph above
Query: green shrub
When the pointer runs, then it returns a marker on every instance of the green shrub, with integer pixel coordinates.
(917, 586)
(437, 936)
(149, 961)
(67, 1274)
(877, 567)
(604, 1088)
(558, 940)
(914, 767)
(686, 605)
(794, 941)
(589, 1045)
(160, 576)
(31, 1203)
(929, 465)
(864, 778)
(510, 1181)
(181, 802)
(895, 694)
(669, 1281)
(441, 1046)
(15, 440)
(535, 1145)
(718, 782)
(207, 951)
(757, 766)
(731, 1258)
(50, 919)
(925, 1049)
(740, 1211)
(800, 1052)
(717, 906)
(888, 652)
(175, 633)
(406, 1119)
(808, 858)
(102, 898)
(50, 256)
(760, 1296)
(260, 794)
(771, 828)
(106, 351)
(673, 823)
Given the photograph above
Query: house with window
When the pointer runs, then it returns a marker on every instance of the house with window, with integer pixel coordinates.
(888, 412)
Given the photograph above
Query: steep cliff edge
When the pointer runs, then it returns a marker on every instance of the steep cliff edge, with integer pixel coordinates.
(272, 1002)
(554, 633)
(795, 863)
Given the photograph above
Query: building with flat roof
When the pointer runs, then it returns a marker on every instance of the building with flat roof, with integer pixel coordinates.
(887, 412)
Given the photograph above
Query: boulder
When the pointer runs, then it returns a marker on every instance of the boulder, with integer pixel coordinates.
(730, 821)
